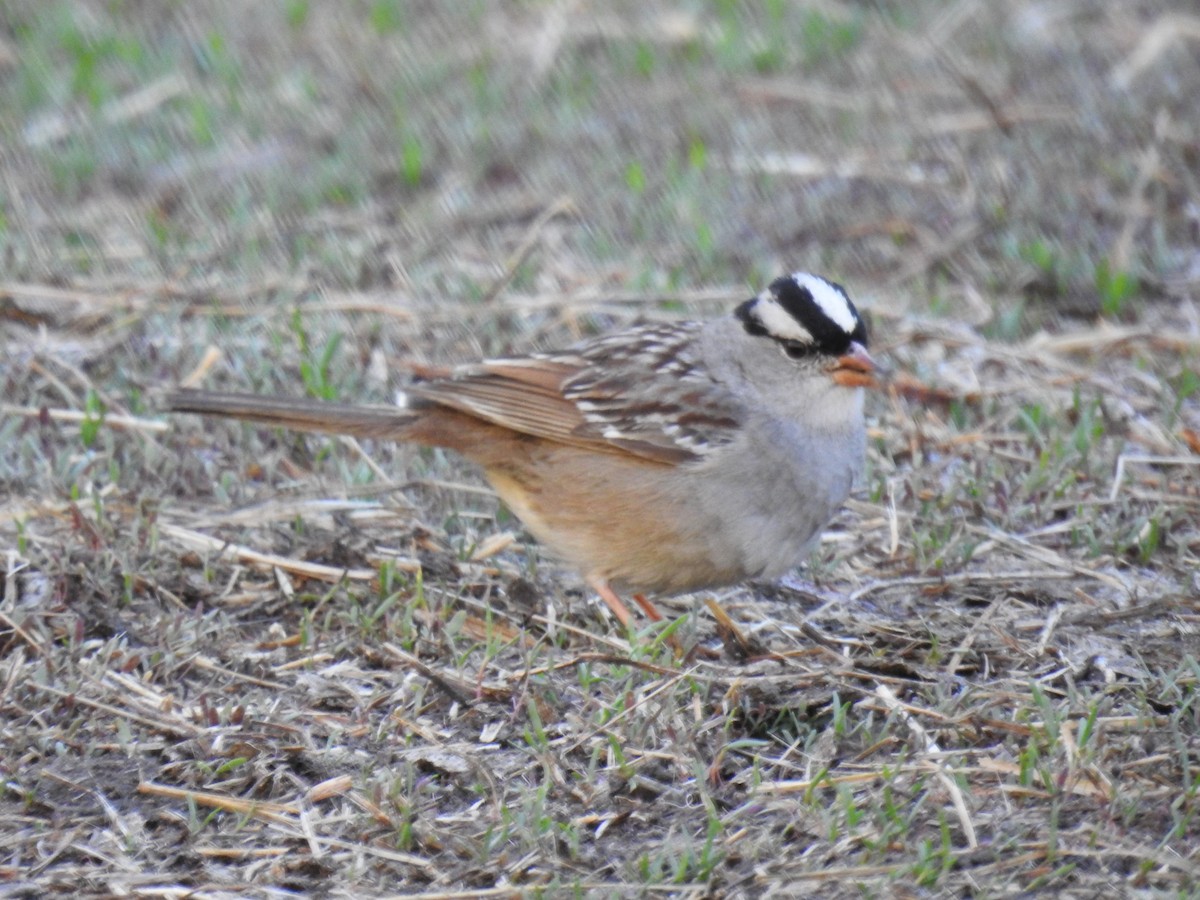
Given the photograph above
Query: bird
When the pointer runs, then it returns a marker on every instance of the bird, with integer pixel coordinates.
(661, 459)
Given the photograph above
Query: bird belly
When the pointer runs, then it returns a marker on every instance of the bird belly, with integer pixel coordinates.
(674, 529)
(614, 524)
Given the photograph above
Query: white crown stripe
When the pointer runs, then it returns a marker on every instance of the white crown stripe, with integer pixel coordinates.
(831, 301)
(779, 323)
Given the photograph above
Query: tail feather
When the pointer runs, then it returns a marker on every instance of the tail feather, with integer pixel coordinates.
(297, 413)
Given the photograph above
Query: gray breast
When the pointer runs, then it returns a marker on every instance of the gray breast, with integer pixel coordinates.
(779, 491)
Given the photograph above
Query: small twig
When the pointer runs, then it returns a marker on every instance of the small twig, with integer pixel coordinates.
(134, 105)
(794, 786)
(628, 710)
(729, 631)
(212, 355)
(357, 448)
(178, 729)
(1053, 617)
(941, 769)
(127, 423)
(1124, 458)
(1046, 555)
(258, 809)
(455, 689)
(561, 206)
(1167, 30)
(609, 658)
(1135, 206)
(966, 232)
(969, 638)
(1016, 576)
(204, 543)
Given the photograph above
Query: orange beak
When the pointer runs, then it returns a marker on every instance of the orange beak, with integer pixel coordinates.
(855, 368)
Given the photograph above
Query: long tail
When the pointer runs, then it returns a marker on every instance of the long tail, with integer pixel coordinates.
(297, 413)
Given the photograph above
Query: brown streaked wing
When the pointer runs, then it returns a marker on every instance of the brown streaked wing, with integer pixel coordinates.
(680, 421)
(643, 392)
(649, 392)
(522, 394)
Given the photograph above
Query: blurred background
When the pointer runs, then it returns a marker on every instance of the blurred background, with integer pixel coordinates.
(1023, 153)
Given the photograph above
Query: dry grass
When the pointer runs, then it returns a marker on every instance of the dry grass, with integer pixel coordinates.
(239, 662)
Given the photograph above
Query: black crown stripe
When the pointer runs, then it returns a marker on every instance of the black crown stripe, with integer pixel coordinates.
(828, 335)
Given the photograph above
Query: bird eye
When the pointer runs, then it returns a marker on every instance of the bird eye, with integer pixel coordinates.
(796, 349)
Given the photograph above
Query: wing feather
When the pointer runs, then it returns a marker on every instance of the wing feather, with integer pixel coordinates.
(643, 392)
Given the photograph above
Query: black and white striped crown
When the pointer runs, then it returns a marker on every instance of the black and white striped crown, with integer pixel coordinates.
(805, 313)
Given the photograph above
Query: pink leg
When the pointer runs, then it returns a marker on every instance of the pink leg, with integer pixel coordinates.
(612, 601)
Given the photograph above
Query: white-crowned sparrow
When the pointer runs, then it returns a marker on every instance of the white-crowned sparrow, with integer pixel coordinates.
(665, 458)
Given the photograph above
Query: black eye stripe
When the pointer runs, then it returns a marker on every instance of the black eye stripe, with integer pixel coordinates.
(752, 325)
